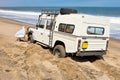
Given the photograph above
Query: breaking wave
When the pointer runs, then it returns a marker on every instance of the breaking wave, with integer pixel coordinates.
(32, 16)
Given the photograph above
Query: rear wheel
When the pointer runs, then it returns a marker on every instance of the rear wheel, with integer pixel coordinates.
(59, 51)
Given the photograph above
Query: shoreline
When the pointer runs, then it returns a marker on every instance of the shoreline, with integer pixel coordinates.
(114, 39)
(15, 21)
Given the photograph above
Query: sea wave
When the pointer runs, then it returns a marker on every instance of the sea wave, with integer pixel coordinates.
(20, 12)
(31, 18)
(23, 16)
(31, 14)
(115, 20)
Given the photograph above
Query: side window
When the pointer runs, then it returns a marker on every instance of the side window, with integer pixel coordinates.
(90, 30)
(42, 23)
(62, 27)
(49, 25)
(95, 30)
(69, 28)
(99, 31)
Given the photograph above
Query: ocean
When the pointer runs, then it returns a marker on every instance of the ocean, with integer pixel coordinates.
(30, 15)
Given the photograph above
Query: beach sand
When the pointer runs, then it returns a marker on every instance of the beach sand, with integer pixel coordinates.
(23, 61)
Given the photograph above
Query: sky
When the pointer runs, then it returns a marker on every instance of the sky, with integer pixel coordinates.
(73, 3)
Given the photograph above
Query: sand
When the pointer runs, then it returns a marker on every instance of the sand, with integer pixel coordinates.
(23, 61)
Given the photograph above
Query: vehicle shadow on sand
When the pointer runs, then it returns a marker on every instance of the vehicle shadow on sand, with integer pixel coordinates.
(86, 58)
(77, 58)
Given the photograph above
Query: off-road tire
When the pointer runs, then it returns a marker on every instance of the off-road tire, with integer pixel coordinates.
(30, 38)
(59, 51)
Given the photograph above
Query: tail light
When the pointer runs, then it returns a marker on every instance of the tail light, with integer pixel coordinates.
(79, 42)
(107, 45)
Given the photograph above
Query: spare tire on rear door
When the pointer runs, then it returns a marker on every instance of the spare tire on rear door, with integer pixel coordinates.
(67, 11)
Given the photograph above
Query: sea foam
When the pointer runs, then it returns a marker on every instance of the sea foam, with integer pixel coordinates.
(30, 14)
(31, 18)
(20, 12)
(115, 20)
(28, 17)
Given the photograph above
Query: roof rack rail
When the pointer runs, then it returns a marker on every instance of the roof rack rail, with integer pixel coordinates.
(50, 12)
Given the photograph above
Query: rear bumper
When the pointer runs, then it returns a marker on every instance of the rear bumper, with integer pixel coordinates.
(91, 53)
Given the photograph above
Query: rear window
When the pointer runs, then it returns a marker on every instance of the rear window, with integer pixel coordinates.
(95, 30)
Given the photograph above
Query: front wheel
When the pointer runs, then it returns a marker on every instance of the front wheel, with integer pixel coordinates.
(59, 51)
(30, 38)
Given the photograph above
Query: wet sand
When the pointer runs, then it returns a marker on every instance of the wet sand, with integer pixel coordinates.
(23, 61)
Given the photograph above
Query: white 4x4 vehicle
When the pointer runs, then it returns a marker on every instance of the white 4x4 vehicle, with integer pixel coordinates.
(85, 35)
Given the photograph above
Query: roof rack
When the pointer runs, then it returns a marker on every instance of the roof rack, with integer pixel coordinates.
(50, 12)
